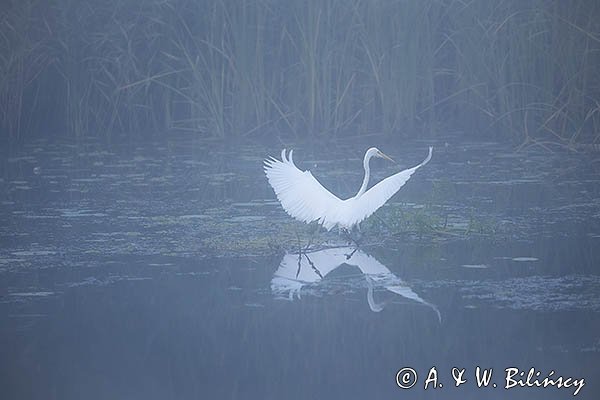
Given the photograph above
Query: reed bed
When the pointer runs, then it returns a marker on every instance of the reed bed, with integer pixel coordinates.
(526, 71)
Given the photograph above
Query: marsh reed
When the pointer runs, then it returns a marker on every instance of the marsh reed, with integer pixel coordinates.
(526, 71)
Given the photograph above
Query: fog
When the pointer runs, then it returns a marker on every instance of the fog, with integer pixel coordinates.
(145, 254)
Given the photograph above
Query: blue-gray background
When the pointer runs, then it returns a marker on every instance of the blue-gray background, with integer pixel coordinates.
(143, 254)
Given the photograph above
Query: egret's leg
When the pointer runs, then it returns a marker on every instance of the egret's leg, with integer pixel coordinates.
(312, 236)
(305, 250)
(299, 254)
(349, 256)
(310, 239)
(299, 241)
(351, 240)
(359, 233)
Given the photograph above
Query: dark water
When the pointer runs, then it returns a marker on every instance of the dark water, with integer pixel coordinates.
(168, 271)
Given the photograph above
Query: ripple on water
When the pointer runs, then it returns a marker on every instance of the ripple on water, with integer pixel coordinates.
(31, 294)
(538, 293)
(525, 259)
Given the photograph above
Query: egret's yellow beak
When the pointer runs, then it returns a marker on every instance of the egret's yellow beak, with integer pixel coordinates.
(380, 154)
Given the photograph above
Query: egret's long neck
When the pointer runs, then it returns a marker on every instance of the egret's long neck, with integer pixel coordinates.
(365, 183)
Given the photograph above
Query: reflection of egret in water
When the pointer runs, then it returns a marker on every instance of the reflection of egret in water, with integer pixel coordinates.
(298, 270)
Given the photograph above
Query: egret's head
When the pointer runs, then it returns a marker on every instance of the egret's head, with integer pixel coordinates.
(375, 152)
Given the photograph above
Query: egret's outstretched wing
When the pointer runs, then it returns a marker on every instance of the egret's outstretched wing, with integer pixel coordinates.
(375, 197)
(300, 194)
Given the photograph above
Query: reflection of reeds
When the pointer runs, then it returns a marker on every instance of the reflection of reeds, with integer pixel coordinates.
(528, 70)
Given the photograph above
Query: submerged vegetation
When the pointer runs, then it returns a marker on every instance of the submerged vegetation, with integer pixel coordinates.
(392, 224)
(234, 69)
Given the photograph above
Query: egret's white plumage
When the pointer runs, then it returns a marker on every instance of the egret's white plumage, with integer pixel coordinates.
(305, 199)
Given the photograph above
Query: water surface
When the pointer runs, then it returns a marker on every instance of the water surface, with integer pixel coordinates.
(170, 271)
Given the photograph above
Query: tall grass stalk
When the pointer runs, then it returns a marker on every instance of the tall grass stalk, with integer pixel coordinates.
(24, 55)
(527, 71)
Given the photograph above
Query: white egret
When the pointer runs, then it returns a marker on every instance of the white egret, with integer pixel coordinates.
(305, 199)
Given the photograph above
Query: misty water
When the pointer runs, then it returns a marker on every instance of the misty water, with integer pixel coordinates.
(169, 271)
